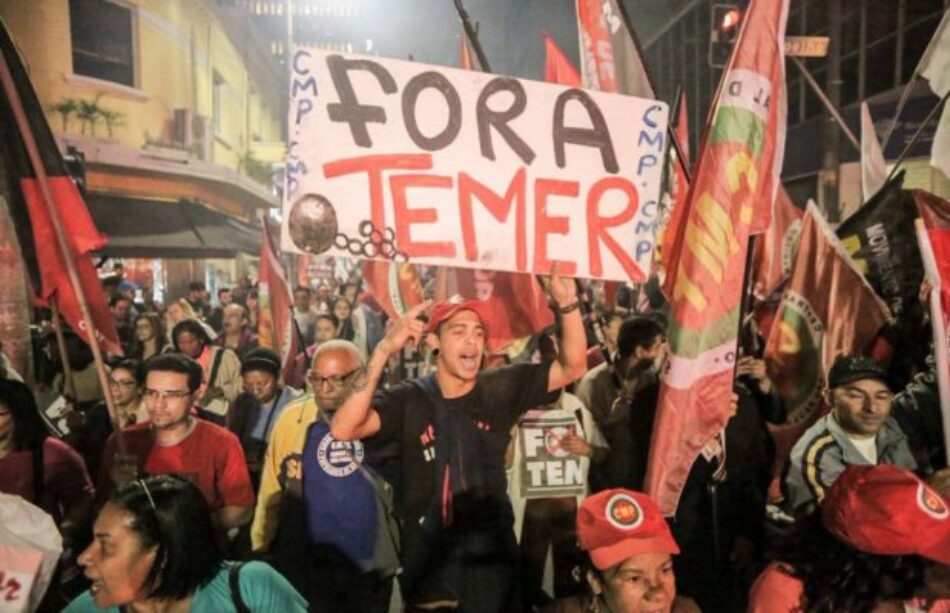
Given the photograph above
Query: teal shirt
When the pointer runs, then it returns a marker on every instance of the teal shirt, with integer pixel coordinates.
(262, 588)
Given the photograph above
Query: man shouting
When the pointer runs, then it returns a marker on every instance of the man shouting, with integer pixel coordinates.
(446, 436)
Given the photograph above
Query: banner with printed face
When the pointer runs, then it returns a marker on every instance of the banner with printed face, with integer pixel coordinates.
(547, 469)
(407, 162)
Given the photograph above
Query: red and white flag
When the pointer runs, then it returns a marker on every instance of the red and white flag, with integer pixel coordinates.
(933, 235)
(731, 197)
(40, 187)
(610, 56)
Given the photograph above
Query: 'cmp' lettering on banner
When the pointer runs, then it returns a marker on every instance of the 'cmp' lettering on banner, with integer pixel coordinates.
(548, 469)
(407, 162)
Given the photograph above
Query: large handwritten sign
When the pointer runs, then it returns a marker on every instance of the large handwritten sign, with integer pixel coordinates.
(403, 161)
(549, 470)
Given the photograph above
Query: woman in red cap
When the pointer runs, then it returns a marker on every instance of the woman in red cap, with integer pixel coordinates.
(881, 543)
(630, 557)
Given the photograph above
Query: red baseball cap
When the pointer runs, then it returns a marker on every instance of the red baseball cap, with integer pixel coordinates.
(445, 309)
(887, 510)
(617, 524)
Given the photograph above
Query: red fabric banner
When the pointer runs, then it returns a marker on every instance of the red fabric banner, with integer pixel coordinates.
(396, 288)
(557, 68)
(275, 322)
(775, 253)
(29, 141)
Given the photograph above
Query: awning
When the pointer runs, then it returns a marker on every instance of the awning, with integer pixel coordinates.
(152, 229)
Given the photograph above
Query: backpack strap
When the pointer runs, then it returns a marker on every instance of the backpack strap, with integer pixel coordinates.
(38, 485)
(215, 365)
(234, 580)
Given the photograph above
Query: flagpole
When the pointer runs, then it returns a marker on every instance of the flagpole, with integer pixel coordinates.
(37, 163)
(920, 130)
(646, 69)
(827, 103)
(63, 354)
(905, 94)
(472, 36)
(745, 304)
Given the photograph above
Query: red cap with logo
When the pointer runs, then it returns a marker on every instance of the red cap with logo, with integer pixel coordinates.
(617, 524)
(445, 309)
(889, 511)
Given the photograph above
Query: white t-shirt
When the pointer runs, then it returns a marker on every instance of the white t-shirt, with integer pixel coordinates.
(867, 447)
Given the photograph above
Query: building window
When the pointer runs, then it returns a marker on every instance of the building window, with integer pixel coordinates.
(102, 40)
(217, 93)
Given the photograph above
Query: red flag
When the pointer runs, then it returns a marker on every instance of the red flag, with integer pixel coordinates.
(517, 302)
(557, 68)
(679, 188)
(828, 309)
(775, 253)
(933, 233)
(732, 189)
(396, 288)
(32, 199)
(275, 321)
(466, 60)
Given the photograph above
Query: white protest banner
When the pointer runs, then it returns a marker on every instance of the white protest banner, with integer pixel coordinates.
(549, 470)
(404, 161)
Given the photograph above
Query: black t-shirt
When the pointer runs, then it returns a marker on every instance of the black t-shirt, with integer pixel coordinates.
(406, 440)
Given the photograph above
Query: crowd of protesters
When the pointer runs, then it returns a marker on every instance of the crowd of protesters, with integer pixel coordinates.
(341, 483)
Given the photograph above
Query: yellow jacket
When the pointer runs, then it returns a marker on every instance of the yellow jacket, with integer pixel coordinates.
(281, 469)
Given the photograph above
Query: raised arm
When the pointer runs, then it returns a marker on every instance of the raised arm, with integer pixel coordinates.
(572, 359)
(356, 418)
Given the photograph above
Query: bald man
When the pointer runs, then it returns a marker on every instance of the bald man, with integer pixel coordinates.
(236, 334)
(316, 510)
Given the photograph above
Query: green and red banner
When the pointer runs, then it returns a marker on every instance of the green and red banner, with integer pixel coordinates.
(731, 196)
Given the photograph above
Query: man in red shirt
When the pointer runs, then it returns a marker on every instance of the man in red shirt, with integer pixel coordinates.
(174, 441)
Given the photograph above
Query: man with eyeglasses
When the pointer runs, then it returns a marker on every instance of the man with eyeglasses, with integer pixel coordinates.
(174, 441)
(89, 429)
(316, 512)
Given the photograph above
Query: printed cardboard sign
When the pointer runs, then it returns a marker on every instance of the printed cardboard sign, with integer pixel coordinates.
(548, 470)
(408, 162)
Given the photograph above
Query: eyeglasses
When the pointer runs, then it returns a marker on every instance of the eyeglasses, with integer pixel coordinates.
(335, 381)
(151, 394)
(126, 383)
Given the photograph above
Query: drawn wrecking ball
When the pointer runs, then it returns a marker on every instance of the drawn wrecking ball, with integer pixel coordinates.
(313, 223)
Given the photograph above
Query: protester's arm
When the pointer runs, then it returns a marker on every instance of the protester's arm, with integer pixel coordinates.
(226, 518)
(356, 419)
(233, 483)
(572, 358)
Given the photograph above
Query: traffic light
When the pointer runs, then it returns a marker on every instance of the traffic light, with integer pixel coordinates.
(724, 30)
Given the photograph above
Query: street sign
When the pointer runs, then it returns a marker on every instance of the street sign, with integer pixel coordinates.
(806, 46)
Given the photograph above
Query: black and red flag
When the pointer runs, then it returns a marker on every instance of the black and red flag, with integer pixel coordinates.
(36, 184)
